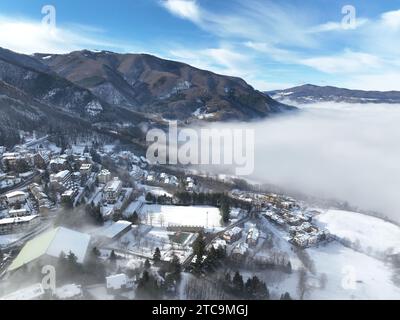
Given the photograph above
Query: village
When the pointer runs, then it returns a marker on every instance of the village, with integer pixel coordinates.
(92, 206)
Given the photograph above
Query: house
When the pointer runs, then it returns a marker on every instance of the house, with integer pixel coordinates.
(18, 212)
(60, 180)
(239, 252)
(219, 243)
(18, 224)
(306, 226)
(104, 176)
(118, 282)
(16, 197)
(252, 237)
(301, 240)
(69, 195)
(58, 164)
(40, 197)
(26, 175)
(294, 221)
(47, 248)
(41, 159)
(85, 169)
(10, 160)
(232, 235)
(112, 190)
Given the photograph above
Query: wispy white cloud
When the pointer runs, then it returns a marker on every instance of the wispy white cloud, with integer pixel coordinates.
(253, 20)
(337, 26)
(27, 36)
(269, 31)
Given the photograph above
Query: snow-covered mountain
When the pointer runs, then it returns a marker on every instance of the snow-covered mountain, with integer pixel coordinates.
(313, 94)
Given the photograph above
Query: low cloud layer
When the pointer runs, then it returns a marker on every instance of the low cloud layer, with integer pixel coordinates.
(347, 152)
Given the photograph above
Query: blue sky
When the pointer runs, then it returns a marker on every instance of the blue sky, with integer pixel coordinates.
(271, 44)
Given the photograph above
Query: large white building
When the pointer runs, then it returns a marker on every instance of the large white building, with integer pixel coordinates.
(16, 197)
(63, 177)
(18, 224)
(49, 245)
(104, 176)
(112, 190)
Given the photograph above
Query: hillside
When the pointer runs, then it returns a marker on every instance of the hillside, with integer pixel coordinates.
(170, 89)
(312, 94)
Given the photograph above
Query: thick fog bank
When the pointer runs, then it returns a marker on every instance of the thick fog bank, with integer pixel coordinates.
(348, 152)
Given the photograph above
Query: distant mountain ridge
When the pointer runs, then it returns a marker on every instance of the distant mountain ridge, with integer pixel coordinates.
(312, 94)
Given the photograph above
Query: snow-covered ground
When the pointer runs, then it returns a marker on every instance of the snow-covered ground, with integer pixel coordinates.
(351, 275)
(159, 215)
(9, 238)
(368, 234)
(156, 191)
(339, 271)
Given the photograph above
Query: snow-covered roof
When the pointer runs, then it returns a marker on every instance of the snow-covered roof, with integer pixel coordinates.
(30, 293)
(234, 231)
(113, 185)
(53, 243)
(61, 174)
(116, 281)
(115, 229)
(16, 194)
(240, 248)
(18, 219)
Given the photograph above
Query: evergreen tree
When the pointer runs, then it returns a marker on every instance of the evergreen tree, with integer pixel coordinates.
(286, 296)
(147, 264)
(228, 278)
(176, 265)
(135, 218)
(113, 256)
(157, 256)
(289, 267)
(149, 197)
(199, 246)
(224, 210)
(96, 252)
(237, 283)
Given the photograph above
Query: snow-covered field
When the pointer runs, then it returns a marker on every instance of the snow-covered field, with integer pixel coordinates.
(351, 275)
(159, 215)
(368, 234)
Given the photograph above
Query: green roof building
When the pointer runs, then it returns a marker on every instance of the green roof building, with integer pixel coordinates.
(51, 244)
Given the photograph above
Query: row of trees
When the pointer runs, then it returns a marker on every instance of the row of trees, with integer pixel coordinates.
(156, 284)
(252, 289)
(211, 199)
